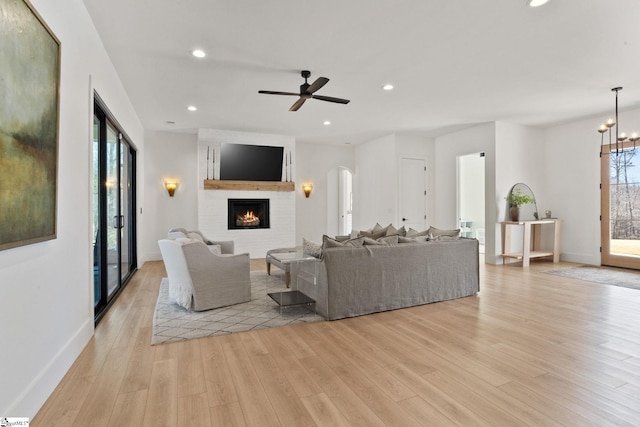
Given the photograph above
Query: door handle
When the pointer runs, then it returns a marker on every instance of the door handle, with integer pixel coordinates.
(404, 219)
(121, 221)
(115, 222)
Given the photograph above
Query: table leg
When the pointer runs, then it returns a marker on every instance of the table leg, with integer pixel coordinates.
(526, 245)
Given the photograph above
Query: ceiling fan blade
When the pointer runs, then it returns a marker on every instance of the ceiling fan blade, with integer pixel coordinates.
(330, 99)
(297, 104)
(320, 81)
(270, 92)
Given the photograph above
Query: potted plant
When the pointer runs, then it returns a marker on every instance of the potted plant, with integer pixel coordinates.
(516, 199)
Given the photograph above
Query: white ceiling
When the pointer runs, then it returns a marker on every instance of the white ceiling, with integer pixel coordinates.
(452, 62)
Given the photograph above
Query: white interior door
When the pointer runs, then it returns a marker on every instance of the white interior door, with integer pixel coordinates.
(413, 193)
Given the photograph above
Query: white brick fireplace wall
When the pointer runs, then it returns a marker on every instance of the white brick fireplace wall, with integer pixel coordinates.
(212, 204)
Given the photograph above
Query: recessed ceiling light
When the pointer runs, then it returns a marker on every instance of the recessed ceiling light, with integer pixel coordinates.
(198, 53)
(536, 3)
(192, 108)
(387, 87)
(170, 122)
(326, 123)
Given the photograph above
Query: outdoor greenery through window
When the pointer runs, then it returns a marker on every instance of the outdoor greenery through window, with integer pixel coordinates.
(624, 203)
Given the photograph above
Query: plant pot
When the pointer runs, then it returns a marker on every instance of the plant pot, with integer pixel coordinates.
(514, 213)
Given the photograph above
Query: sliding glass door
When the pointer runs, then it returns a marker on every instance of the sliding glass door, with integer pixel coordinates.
(620, 207)
(114, 218)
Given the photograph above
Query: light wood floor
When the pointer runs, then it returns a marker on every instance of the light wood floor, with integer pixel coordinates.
(529, 349)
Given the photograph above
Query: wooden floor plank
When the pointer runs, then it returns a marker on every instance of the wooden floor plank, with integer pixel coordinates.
(227, 415)
(190, 369)
(129, 409)
(193, 411)
(531, 349)
(323, 411)
(217, 374)
(256, 408)
(162, 400)
(344, 398)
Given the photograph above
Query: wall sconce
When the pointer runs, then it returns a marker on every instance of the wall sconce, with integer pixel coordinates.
(307, 189)
(171, 187)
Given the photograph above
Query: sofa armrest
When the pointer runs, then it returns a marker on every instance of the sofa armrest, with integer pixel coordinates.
(218, 281)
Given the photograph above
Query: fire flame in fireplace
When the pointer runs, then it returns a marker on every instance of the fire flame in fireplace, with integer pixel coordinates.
(248, 219)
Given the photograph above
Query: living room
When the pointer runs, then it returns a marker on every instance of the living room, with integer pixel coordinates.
(47, 286)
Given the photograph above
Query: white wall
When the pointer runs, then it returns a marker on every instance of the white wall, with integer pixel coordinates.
(520, 157)
(169, 155)
(375, 183)
(46, 289)
(572, 170)
(212, 204)
(318, 164)
(447, 149)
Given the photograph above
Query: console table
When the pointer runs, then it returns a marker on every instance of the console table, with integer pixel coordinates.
(531, 236)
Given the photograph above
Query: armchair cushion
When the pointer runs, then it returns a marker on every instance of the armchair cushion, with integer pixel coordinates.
(226, 246)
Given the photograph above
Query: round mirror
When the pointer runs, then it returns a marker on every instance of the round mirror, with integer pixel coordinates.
(522, 204)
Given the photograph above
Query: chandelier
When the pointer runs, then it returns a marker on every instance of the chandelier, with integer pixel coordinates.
(620, 138)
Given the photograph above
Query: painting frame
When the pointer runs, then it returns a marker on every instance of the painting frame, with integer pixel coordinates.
(29, 126)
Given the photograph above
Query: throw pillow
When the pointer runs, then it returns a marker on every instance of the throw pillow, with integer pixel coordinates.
(311, 248)
(402, 239)
(416, 233)
(391, 230)
(328, 242)
(435, 232)
(445, 238)
(389, 240)
(373, 235)
(356, 243)
(195, 236)
(374, 242)
(378, 228)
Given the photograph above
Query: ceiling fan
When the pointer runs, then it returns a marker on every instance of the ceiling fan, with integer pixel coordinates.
(307, 91)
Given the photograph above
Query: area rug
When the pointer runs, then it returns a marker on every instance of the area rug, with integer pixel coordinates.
(172, 322)
(606, 276)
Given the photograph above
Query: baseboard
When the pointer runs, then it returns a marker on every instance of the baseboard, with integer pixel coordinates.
(580, 258)
(152, 256)
(31, 399)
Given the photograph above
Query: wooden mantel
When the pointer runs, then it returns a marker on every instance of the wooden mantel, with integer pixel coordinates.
(215, 184)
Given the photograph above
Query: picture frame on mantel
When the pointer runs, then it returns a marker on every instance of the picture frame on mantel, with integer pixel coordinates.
(29, 126)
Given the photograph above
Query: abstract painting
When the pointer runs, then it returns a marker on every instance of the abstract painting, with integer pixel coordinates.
(29, 114)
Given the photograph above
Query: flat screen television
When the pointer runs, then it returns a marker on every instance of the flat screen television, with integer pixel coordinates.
(239, 162)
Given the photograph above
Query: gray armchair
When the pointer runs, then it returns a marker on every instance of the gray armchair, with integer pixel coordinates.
(226, 246)
(200, 280)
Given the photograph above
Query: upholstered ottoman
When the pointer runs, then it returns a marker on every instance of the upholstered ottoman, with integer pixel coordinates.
(286, 267)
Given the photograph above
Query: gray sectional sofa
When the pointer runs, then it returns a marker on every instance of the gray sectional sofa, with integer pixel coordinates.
(353, 281)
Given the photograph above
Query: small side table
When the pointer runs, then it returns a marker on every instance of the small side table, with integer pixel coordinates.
(531, 238)
(293, 296)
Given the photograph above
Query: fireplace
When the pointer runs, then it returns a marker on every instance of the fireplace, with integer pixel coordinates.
(248, 213)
